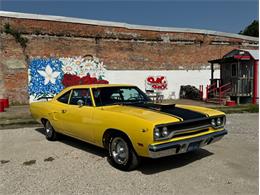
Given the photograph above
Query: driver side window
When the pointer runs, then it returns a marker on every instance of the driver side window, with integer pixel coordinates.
(81, 94)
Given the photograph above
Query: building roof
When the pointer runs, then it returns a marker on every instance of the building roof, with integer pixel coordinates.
(253, 53)
(122, 25)
(236, 54)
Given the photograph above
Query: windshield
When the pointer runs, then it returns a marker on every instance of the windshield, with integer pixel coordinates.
(118, 95)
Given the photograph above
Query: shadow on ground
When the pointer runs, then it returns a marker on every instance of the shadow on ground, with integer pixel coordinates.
(152, 166)
(78, 144)
(148, 166)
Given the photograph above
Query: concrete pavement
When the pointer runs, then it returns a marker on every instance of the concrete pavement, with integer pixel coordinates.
(32, 165)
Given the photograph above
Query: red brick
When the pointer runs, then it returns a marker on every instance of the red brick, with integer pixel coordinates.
(119, 48)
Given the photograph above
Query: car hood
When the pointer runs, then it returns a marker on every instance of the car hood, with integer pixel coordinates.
(163, 113)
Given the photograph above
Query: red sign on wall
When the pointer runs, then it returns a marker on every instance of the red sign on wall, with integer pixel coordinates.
(156, 83)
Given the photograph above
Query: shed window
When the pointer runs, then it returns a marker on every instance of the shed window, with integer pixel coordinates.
(234, 70)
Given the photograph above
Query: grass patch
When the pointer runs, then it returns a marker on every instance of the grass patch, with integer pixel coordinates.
(251, 108)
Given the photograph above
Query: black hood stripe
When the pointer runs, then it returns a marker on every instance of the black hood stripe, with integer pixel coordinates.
(185, 114)
(156, 110)
(172, 110)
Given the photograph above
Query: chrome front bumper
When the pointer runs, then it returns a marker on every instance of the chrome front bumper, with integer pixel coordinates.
(178, 147)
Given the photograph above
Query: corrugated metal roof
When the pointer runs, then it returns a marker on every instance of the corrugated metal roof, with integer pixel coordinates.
(253, 53)
(229, 56)
(124, 25)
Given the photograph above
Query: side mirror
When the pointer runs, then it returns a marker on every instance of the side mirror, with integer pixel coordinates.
(80, 103)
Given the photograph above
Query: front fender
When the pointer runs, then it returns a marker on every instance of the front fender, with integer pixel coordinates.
(139, 131)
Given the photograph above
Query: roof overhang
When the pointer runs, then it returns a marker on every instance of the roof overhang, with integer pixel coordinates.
(237, 54)
(222, 60)
(122, 25)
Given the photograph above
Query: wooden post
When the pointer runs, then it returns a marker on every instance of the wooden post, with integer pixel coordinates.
(238, 100)
(202, 92)
(219, 95)
(212, 73)
(255, 82)
(206, 97)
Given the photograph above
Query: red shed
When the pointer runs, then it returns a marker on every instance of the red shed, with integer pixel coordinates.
(238, 77)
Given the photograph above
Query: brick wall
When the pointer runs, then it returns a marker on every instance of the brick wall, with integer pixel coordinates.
(118, 47)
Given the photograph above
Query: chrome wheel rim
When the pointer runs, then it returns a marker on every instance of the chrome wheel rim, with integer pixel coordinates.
(48, 129)
(119, 150)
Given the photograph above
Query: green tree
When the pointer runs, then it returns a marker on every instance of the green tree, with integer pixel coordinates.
(251, 30)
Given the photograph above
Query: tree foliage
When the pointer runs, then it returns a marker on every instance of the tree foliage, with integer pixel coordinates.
(251, 30)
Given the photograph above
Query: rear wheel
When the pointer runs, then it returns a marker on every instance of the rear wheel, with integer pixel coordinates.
(122, 154)
(50, 133)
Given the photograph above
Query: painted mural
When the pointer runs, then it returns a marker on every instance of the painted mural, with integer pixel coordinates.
(156, 83)
(48, 76)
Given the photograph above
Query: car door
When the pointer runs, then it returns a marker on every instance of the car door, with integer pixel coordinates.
(58, 114)
(78, 116)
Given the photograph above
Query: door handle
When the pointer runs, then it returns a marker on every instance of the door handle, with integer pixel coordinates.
(63, 111)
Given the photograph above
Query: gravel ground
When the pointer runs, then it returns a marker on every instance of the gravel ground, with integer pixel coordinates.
(32, 165)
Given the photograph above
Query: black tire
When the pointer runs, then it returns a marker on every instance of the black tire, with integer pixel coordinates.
(50, 133)
(127, 161)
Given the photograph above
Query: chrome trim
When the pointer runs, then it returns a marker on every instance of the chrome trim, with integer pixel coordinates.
(217, 127)
(119, 150)
(187, 130)
(189, 121)
(177, 132)
(178, 147)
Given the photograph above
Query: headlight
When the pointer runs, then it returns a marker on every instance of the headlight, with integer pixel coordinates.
(219, 121)
(165, 131)
(161, 133)
(157, 133)
(213, 122)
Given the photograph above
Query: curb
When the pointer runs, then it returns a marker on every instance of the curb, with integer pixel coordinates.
(16, 123)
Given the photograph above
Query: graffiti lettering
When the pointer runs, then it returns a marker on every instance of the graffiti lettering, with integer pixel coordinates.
(156, 83)
(155, 80)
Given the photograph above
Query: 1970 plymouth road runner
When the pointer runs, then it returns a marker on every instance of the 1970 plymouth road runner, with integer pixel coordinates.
(123, 120)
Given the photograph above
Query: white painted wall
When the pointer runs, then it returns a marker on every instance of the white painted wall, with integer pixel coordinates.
(175, 78)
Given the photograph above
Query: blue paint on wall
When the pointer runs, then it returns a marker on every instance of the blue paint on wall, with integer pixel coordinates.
(45, 76)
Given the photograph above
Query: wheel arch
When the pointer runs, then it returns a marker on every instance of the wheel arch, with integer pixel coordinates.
(43, 121)
(111, 132)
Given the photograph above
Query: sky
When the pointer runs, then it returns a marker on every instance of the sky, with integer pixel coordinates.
(219, 15)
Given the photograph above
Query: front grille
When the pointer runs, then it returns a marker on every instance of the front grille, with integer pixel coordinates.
(188, 133)
(189, 127)
(190, 124)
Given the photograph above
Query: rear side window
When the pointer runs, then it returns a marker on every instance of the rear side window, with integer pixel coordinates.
(81, 94)
(64, 98)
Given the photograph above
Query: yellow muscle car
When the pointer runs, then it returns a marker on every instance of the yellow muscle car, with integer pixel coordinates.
(123, 120)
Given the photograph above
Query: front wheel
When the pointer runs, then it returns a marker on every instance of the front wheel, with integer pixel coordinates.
(122, 154)
(50, 133)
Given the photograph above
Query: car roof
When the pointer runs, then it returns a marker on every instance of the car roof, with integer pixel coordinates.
(65, 90)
